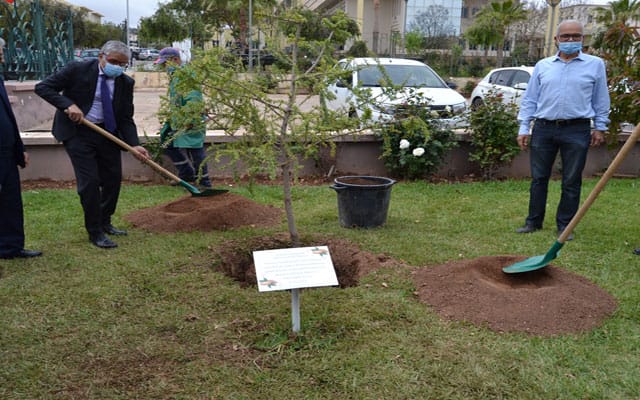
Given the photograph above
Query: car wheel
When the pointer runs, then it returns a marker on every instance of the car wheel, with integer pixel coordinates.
(476, 103)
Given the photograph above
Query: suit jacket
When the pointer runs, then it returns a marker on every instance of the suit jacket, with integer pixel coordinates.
(18, 148)
(76, 84)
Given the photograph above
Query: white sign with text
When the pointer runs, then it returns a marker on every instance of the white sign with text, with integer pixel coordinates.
(294, 268)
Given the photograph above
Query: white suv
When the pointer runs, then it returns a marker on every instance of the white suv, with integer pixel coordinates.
(511, 82)
(416, 79)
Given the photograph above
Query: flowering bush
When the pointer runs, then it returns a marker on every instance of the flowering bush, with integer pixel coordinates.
(414, 144)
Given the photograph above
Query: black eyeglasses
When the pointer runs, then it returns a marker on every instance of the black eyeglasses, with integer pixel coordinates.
(117, 62)
(573, 36)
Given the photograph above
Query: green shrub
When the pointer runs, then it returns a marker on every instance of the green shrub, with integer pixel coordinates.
(494, 129)
(414, 144)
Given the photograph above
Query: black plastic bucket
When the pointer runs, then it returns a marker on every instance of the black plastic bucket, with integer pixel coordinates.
(363, 201)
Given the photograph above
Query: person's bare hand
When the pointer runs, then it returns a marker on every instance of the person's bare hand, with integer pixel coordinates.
(597, 138)
(26, 159)
(74, 113)
(523, 141)
(141, 153)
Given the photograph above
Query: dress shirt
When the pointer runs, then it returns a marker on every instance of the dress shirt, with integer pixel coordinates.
(95, 113)
(571, 89)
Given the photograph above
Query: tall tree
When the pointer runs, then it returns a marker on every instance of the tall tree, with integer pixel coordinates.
(435, 26)
(499, 16)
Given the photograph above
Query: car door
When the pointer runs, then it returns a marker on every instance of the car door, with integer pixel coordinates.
(519, 84)
(341, 89)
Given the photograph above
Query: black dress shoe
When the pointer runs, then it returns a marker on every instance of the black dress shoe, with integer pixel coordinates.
(637, 251)
(24, 253)
(112, 230)
(102, 241)
(527, 229)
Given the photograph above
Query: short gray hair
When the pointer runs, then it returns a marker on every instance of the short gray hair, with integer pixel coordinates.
(116, 46)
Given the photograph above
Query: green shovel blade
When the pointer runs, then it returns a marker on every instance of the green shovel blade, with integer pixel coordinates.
(195, 192)
(534, 263)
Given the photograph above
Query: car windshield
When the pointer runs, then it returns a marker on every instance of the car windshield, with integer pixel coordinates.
(399, 75)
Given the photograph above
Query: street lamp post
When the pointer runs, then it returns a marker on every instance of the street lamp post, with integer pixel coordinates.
(552, 22)
(128, 23)
(250, 53)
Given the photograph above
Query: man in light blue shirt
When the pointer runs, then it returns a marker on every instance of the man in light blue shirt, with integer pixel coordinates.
(565, 93)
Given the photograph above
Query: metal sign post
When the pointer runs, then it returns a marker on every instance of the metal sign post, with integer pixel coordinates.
(293, 269)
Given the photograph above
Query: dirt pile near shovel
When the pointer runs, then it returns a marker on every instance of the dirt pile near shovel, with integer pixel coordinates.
(546, 302)
(221, 212)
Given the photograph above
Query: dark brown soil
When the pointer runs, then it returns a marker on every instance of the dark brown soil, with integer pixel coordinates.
(220, 212)
(235, 258)
(546, 302)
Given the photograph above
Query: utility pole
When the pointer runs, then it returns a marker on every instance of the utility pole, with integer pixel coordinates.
(127, 27)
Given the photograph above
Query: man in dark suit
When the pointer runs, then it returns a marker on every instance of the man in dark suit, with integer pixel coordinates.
(99, 91)
(12, 154)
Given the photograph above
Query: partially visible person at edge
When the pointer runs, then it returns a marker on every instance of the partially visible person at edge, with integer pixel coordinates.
(183, 145)
(565, 93)
(77, 92)
(12, 154)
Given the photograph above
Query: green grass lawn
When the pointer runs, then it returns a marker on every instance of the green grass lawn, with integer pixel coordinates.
(153, 319)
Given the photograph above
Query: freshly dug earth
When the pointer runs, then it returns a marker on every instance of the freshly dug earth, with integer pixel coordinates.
(220, 212)
(546, 302)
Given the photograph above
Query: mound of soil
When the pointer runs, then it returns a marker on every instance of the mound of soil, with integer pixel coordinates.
(545, 302)
(221, 212)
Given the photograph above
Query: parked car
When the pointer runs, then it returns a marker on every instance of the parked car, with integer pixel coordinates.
(510, 82)
(89, 54)
(416, 78)
(148, 54)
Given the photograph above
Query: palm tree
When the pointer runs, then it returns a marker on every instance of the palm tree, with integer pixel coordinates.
(483, 35)
(498, 16)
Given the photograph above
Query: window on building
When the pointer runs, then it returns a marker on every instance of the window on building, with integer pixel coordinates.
(464, 12)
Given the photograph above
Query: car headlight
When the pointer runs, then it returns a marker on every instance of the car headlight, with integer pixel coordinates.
(459, 108)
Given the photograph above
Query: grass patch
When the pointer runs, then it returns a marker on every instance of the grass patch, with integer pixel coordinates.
(153, 319)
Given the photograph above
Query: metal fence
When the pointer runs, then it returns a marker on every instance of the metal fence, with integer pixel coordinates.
(36, 45)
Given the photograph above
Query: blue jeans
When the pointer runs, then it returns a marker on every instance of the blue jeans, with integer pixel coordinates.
(573, 143)
(191, 164)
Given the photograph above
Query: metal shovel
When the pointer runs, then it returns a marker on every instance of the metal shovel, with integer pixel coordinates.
(194, 190)
(537, 262)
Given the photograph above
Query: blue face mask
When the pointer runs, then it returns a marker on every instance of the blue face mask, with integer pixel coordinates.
(570, 47)
(112, 71)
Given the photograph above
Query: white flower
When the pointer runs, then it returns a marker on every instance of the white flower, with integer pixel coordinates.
(418, 151)
(404, 144)
(434, 114)
(447, 109)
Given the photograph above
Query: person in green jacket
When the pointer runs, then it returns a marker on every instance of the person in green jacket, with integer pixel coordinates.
(185, 148)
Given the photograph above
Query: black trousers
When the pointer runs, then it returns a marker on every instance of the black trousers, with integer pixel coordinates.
(11, 214)
(97, 164)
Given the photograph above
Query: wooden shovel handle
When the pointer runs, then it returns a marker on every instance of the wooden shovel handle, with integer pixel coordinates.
(626, 148)
(130, 149)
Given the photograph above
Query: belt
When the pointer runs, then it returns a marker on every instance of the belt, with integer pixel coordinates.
(564, 122)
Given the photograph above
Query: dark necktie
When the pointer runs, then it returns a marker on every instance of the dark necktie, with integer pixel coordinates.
(107, 107)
